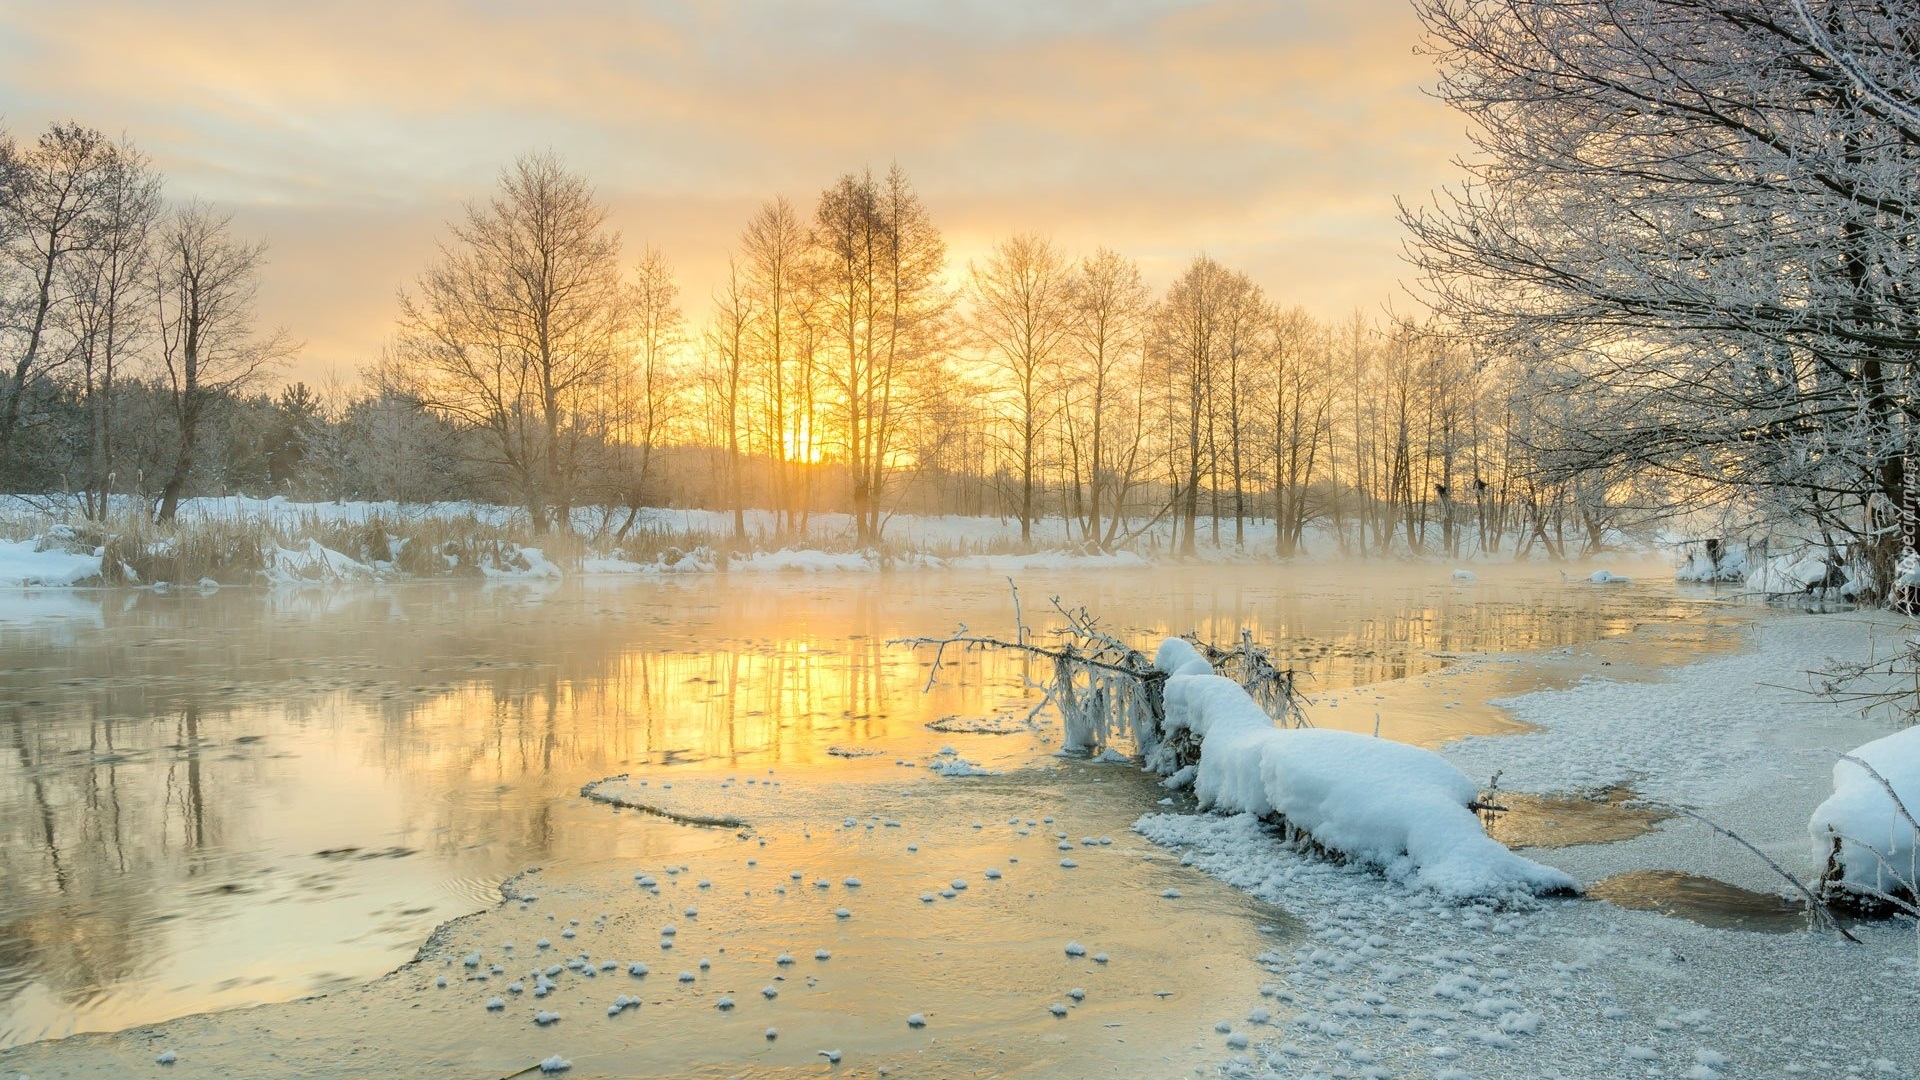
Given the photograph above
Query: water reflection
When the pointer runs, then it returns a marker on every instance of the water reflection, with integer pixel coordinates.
(211, 800)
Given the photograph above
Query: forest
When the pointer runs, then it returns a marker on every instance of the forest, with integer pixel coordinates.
(1674, 288)
(844, 365)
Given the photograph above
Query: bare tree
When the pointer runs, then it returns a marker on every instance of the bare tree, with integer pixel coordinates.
(1021, 314)
(108, 281)
(648, 384)
(1188, 341)
(1106, 421)
(516, 331)
(877, 275)
(204, 287)
(774, 246)
(49, 208)
(725, 382)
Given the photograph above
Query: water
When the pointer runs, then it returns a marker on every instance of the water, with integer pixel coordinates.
(247, 796)
(1703, 900)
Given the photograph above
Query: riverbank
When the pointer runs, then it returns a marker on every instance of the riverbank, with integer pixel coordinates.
(47, 542)
(1402, 984)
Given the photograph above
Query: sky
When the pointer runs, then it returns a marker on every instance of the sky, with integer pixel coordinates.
(1273, 135)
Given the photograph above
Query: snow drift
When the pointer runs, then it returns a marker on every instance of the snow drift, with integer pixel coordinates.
(1875, 839)
(1384, 803)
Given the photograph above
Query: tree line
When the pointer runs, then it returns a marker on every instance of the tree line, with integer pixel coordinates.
(843, 364)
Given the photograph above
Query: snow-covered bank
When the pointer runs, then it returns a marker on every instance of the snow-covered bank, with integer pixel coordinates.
(1401, 982)
(276, 540)
(1383, 803)
(35, 562)
(1867, 826)
(1741, 738)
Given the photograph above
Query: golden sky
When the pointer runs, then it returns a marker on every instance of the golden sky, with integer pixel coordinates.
(1272, 134)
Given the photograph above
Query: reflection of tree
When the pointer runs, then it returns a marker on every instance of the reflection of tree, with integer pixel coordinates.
(483, 708)
(78, 893)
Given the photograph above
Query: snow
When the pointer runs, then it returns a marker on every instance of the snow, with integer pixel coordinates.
(925, 542)
(1877, 839)
(29, 562)
(1393, 806)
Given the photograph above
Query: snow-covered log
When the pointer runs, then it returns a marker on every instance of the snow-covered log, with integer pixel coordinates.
(1388, 804)
(1865, 834)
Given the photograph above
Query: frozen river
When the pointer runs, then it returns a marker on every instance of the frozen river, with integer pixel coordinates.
(225, 799)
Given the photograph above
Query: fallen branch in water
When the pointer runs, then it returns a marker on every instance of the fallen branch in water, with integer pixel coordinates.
(1101, 685)
(1815, 904)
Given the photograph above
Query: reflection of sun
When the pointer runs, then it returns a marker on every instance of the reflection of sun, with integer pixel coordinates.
(800, 445)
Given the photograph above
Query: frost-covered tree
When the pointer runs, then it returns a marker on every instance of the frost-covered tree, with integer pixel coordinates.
(1703, 218)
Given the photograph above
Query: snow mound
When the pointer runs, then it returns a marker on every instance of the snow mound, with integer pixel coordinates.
(1607, 577)
(28, 562)
(793, 561)
(1700, 566)
(1379, 802)
(1877, 841)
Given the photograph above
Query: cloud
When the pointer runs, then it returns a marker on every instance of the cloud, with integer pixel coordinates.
(1274, 135)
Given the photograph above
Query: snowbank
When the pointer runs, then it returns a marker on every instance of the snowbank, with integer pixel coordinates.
(791, 561)
(1877, 841)
(29, 562)
(1387, 804)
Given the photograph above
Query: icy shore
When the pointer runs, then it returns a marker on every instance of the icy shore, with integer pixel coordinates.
(1407, 982)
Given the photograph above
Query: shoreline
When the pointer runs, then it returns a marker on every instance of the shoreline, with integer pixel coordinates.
(1398, 984)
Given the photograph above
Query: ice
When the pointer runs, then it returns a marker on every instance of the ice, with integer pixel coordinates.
(544, 1018)
(164, 1057)
(1057, 1009)
(1394, 806)
(1074, 948)
(555, 1064)
(496, 1004)
(917, 1020)
(1877, 841)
